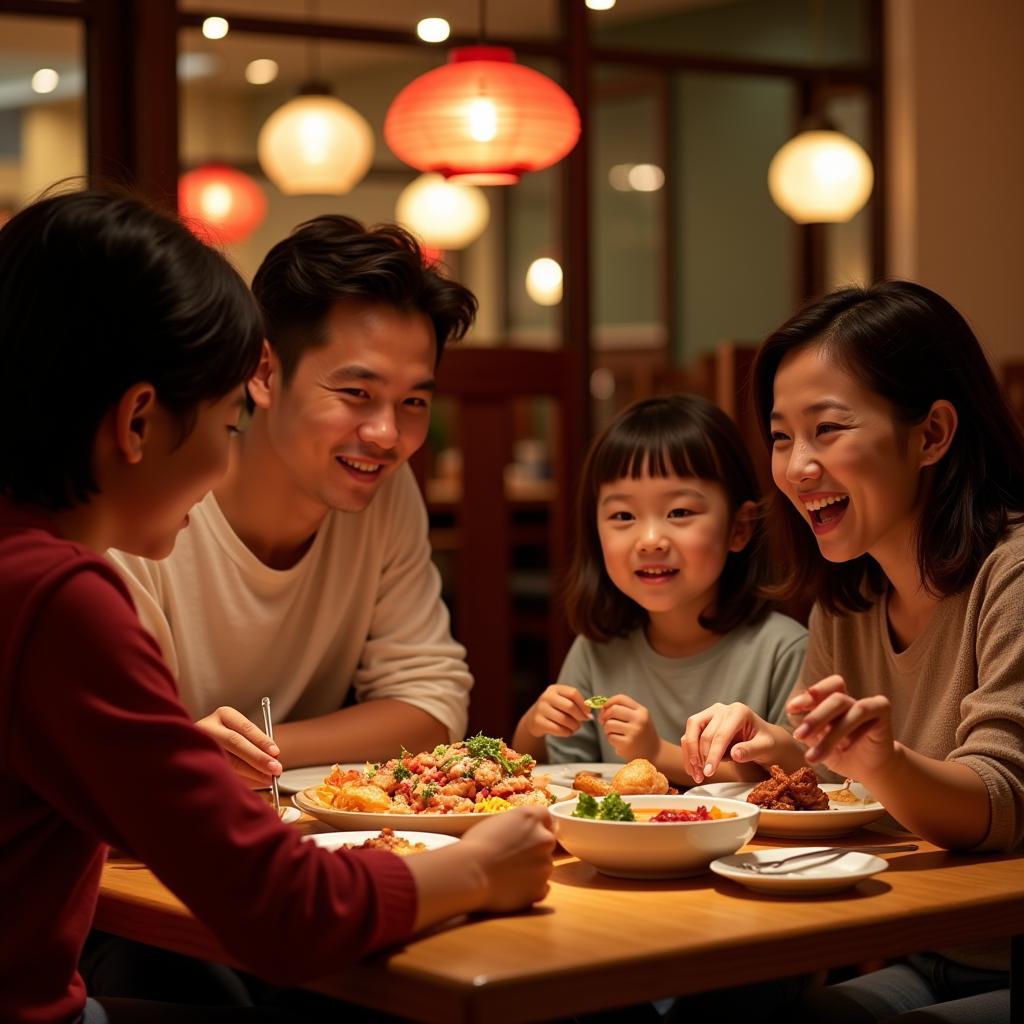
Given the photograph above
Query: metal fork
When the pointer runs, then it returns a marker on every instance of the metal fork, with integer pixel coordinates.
(268, 728)
(827, 854)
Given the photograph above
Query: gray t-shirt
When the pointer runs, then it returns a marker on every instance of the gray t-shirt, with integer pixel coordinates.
(758, 665)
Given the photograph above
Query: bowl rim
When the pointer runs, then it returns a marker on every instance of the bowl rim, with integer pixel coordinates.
(562, 811)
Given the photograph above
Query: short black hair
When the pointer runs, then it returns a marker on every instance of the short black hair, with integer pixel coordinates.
(334, 258)
(681, 435)
(909, 345)
(100, 291)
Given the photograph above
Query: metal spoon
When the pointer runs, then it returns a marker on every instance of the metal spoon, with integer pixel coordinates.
(268, 728)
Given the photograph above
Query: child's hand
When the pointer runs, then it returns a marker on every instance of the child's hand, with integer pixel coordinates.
(558, 711)
(729, 730)
(850, 737)
(629, 729)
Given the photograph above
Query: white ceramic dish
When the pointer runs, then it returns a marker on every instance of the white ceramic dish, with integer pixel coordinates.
(335, 840)
(448, 824)
(811, 879)
(296, 779)
(647, 849)
(563, 774)
(836, 821)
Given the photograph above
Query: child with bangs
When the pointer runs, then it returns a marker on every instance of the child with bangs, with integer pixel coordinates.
(666, 594)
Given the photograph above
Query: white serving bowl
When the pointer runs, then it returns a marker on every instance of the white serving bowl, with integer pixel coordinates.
(647, 849)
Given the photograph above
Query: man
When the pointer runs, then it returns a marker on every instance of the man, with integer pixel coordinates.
(308, 572)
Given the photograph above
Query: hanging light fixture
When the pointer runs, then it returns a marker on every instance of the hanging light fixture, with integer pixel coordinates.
(225, 204)
(445, 214)
(482, 118)
(315, 144)
(544, 281)
(820, 176)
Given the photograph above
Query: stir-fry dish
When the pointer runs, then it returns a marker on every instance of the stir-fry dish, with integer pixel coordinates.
(783, 792)
(387, 840)
(638, 777)
(480, 775)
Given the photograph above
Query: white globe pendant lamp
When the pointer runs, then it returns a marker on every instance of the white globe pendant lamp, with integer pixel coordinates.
(315, 145)
(445, 214)
(820, 176)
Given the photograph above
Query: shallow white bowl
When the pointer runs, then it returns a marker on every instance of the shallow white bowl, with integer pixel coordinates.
(647, 849)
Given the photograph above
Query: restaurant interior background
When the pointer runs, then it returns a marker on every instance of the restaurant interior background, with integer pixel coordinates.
(674, 259)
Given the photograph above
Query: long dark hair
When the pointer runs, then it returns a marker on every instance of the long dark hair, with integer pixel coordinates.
(681, 435)
(910, 346)
(99, 291)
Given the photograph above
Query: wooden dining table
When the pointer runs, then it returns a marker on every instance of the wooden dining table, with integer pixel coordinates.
(598, 942)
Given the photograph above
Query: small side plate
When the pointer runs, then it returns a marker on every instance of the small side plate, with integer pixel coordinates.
(810, 880)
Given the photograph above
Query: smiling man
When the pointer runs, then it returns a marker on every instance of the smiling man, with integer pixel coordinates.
(307, 574)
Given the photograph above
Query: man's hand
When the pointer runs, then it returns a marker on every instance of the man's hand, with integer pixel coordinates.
(252, 753)
(629, 729)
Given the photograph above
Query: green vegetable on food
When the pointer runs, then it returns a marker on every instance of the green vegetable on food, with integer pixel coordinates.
(401, 772)
(486, 746)
(611, 808)
(596, 702)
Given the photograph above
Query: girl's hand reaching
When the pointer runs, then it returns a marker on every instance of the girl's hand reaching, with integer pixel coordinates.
(629, 729)
(850, 737)
(558, 711)
(734, 731)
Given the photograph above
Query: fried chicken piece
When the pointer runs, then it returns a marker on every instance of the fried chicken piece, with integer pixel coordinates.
(588, 782)
(803, 784)
(639, 776)
(796, 792)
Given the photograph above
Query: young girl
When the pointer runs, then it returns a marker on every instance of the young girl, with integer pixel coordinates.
(901, 475)
(127, 342)
(665, 590)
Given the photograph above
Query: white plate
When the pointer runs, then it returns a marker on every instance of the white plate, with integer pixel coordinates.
(295, 779)
(563, 774)
(812, 880)
(836, 821)
(449, 824)
(334, 840)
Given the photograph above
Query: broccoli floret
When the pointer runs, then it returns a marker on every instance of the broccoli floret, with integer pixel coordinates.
(586, 807)
(614, 808)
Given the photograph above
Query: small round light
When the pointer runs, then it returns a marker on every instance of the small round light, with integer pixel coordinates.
(600, 5)
(645, 177)
(433, 30)
(445, 214)
(215, 28)
(618, 177)
(261, 71)
(544, 281)
(45, 80)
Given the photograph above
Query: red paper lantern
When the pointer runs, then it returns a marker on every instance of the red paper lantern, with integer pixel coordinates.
(225, 204)
(482, 118)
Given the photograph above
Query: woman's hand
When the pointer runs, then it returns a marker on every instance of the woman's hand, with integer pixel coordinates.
(629, 729)
(850, 737)
(252, 753)
(558, 711)
(734, 731)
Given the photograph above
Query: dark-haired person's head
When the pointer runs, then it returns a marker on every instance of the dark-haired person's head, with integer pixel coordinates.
(333, 259)
(117, 326)
(682, 436)
(356, 323)
(948, 447)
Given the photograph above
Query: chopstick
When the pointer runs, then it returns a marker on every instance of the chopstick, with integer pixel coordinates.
(268, 728)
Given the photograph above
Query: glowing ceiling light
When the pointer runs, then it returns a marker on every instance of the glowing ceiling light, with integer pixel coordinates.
(433, 30)
(222, 202)
(445, 214)
(45, 80)
(600, 5)
(215, 28)
(483, 120)
(261, 71)
(645, 177)
(544, 281)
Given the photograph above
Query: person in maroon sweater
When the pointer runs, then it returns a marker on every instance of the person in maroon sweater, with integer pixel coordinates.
(126, 342)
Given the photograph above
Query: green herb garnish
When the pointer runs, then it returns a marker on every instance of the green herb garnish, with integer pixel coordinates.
(596, 702)
(480, 746)
(401, 772)
(611, 808)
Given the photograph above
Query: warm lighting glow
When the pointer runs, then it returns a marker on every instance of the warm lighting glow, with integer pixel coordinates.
(224, 204)
(544, 282)
(482, 119)
(315, 145)
(600, 5)
(215, 28)
(45, 80)
(433, 30)
(444, 214)
(261, 71)
(820, 177)
(645, 177)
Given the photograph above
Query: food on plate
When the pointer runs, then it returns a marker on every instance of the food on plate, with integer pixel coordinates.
(699, 813)
(387, 840)
(596, 702)
(637, 777)
(784, 792)
(611, 808)
(845, 795)
(480, 775)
